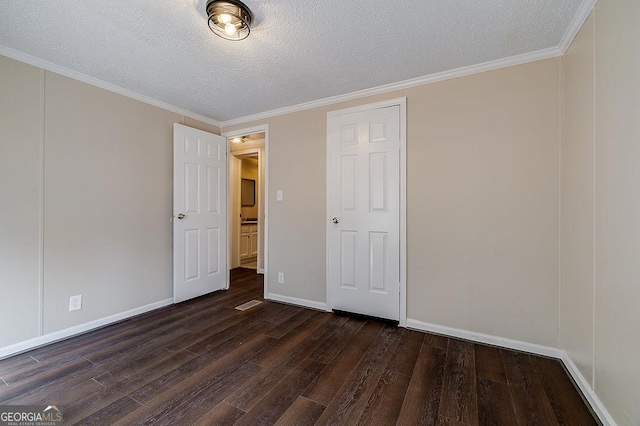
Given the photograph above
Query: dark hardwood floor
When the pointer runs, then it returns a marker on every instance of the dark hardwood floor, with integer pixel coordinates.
(203, 362)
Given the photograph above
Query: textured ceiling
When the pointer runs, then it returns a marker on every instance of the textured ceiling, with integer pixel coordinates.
(298, 51)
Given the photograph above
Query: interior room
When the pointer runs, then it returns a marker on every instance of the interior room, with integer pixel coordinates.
(249, 215)
(247, 186)
(382, 212)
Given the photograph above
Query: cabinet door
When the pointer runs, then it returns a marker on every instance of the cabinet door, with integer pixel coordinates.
(245, 245)
(254, 243)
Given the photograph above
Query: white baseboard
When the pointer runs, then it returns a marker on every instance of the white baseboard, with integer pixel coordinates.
(597, 405)
(78, 329)
(299, 302)
(261, 271)
(486, 338)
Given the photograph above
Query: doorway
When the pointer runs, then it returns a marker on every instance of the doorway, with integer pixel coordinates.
(247, 189)
(250, 194)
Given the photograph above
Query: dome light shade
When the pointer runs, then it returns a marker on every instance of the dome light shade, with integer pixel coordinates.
(229, 19)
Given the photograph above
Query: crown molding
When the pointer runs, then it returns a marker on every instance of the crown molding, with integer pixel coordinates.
(569, 35)
(41, 63)
(577, 23)
(405, 84)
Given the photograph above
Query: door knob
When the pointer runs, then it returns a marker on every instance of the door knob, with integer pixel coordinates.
(335, 220)
(181, 216)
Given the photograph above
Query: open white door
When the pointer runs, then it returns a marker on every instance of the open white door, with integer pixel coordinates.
(363, 206)
(199, 213)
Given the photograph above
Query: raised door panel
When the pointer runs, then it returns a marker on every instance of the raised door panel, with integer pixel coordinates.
(213, 251)
(348, 259)
(192, 188)
(348, 164)
(213, 189)
(378, 258)
(378, 131)
(191, 146)
(378, 181)
(191, 254)
(349, 134)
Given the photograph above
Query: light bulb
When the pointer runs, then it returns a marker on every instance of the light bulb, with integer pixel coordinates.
(224, 18)
(230, 29)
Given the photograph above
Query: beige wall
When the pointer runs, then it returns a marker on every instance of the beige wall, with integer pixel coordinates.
(576, 295)
(483, 193)
(483, 202)
(108, 200)
(296, 225)
(107, 187)
(603, 101)
(20, 200)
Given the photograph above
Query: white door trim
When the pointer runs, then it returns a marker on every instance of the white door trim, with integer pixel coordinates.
(264, 128)
(235, 173)
(402, 104)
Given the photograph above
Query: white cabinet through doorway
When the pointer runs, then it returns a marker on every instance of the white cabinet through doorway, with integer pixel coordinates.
(248, 241)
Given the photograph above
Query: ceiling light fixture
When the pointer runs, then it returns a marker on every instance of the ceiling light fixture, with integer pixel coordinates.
(229, 19)
(237, 140)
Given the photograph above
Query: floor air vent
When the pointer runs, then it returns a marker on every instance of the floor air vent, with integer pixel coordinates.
(248, 305)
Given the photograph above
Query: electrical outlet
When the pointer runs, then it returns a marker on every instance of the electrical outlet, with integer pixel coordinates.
(280, 277)
(279, 195)
(75, 303)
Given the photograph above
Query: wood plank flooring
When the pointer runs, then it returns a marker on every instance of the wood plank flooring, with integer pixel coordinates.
(203, 362)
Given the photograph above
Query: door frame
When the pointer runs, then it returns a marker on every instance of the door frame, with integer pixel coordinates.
(235, 171)
(402, 104)
(262, 245)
